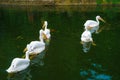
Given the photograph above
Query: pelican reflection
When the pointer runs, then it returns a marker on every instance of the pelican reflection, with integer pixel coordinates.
(22, 75)
(39, 59)
(87, 40)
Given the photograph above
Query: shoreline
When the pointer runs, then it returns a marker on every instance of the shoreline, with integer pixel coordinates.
(59, 7)
(47, 3)
(80, 8)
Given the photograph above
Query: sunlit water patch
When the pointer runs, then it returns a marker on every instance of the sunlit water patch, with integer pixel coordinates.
(96, 72)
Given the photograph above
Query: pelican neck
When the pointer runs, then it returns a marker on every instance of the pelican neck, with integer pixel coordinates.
(41, 37)
(45, 27)
(97, 20)
(27, 55)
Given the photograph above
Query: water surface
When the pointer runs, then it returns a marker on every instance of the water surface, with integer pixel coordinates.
(64, 59)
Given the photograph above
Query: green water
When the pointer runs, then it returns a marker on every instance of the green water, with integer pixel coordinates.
(64, 59)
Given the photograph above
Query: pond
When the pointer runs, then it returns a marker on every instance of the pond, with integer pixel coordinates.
(64, 59)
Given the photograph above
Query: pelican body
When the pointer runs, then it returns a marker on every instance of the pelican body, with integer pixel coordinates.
(86, 40)
(86, 36)
(35, 47)
(19, 64)
(92, 25)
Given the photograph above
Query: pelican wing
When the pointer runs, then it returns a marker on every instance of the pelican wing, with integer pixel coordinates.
(36, 47)
(18, 64)
(90, 23)
(86, 36)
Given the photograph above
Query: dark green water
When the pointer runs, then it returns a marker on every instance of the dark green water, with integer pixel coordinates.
(64, 59)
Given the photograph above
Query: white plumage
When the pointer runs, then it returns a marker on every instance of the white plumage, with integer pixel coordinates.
(86, 40)
(46, 30)
(92, 25)
(86, 36)
(19, 64)
(35, 47)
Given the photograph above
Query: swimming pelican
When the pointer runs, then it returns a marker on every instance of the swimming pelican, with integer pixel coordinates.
(46, 30)
(92, 25)
(86, 40)
(46, 34)
(35, 47)
(86, 36)
(19, 64)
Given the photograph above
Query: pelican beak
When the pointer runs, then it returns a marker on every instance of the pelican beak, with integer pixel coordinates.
(43, 26)
(102, 20)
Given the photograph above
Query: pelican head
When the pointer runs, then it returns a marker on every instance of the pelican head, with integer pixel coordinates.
(45, 23)
(98, 17)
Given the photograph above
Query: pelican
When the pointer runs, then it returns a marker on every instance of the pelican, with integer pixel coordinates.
(19, 64)
(86, 40)
(86, 36)
(46, 32)
(92, 25)
(35, 47)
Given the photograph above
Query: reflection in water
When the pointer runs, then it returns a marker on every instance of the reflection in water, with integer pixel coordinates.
(22, 75)
(13, 25)
(94, 73)
(86, 40)
(38, 60)
(86, 46)
(25, 74)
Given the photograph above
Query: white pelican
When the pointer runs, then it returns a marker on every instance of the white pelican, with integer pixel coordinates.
(92, 25)
(86, 36)
(46, 32)
(35, 47)
(86, 40)
(19, 64)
